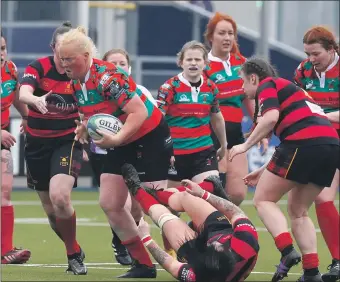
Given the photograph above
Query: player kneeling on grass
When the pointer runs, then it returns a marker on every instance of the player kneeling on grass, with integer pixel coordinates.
(223, 246)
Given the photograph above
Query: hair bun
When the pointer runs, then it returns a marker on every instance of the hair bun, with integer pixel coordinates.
(67, 24)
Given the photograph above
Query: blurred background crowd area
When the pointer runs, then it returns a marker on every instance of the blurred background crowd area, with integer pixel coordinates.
(154, 31)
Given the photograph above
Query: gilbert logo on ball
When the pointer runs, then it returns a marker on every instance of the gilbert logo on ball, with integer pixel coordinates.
(103, 122)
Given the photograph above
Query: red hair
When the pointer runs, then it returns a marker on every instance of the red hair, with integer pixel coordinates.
(211, 26)
(321, 35)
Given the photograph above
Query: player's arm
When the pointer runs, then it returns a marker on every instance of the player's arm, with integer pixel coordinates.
(334, 116)
(122, 89)
(30, 82)
(217, 120)
(165, 97)
(270, 112)
(231, 211)
(165, 260)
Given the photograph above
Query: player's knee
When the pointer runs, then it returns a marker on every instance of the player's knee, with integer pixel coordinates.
(109, 206)
(60, 200)
(237, 196)
(296, 211)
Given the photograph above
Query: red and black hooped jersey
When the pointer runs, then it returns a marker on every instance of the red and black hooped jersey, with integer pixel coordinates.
(9, 85)
(242, 241)
(301, 120)
(43, 76)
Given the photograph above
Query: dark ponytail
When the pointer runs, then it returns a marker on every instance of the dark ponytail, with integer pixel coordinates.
(262, 69)
(63, 28)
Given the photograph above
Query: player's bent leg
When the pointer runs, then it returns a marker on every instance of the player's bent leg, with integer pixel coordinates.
(9, 254)
(49, 210)
(235, 187)
(172, 183)
(112, 199)
(300, 200)
(269, 191)
(328, 219)
(61, 186)
(202, 176)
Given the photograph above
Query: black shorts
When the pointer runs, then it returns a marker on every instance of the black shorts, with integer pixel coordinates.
(190, 165)
(150, 155)
(97, 164)
(309, 164)
(46, 158)
(234, 135)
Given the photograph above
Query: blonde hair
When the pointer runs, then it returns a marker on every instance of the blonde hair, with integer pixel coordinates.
(78, 37)
(192, 45)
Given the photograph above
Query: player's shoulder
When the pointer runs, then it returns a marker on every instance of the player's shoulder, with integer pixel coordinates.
(171, 83)
(305, 65)
(238, 58)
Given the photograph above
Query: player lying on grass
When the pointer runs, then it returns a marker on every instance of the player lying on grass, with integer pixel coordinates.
(223, 246)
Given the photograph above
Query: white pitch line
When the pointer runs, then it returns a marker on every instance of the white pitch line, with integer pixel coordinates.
(95, 266)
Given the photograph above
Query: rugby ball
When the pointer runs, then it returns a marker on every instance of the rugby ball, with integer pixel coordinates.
(103, 122)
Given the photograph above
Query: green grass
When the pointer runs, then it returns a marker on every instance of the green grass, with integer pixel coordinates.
(46, 248)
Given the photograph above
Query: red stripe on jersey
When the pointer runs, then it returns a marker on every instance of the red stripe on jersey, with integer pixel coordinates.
(242, 248)
(293, 117)
(231, 114)
(178, 132)
(313, 131)
(190, 151)
(189, 110)
(149, 125)
(49, 133)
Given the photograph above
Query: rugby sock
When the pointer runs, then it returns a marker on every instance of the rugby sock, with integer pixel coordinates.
(67, 229)
(284, 243)
(164, 196)
(310, 264)
(137, 250)
(7, 229)
(328, 218)
(207, 186)
(145, 200)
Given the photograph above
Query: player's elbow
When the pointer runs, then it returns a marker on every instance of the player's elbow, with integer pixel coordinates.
(271, 117)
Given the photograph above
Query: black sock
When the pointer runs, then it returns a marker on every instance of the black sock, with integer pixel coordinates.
(311, 272)
(115, 239)
(287, 250)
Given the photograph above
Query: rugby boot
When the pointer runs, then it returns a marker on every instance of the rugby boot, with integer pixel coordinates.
(131, 178)
(121, 253)
(288, 261)
(314, 278)
(218, 188)
(140, 271)
(16, 256)
(76, 263)
(334, 272)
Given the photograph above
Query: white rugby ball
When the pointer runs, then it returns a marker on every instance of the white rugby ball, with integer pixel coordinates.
(103, 122)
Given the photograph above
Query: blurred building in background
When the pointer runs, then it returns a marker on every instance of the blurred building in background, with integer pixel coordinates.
(154, 31)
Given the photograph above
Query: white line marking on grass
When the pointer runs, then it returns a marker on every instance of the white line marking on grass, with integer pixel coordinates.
(97, 266)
